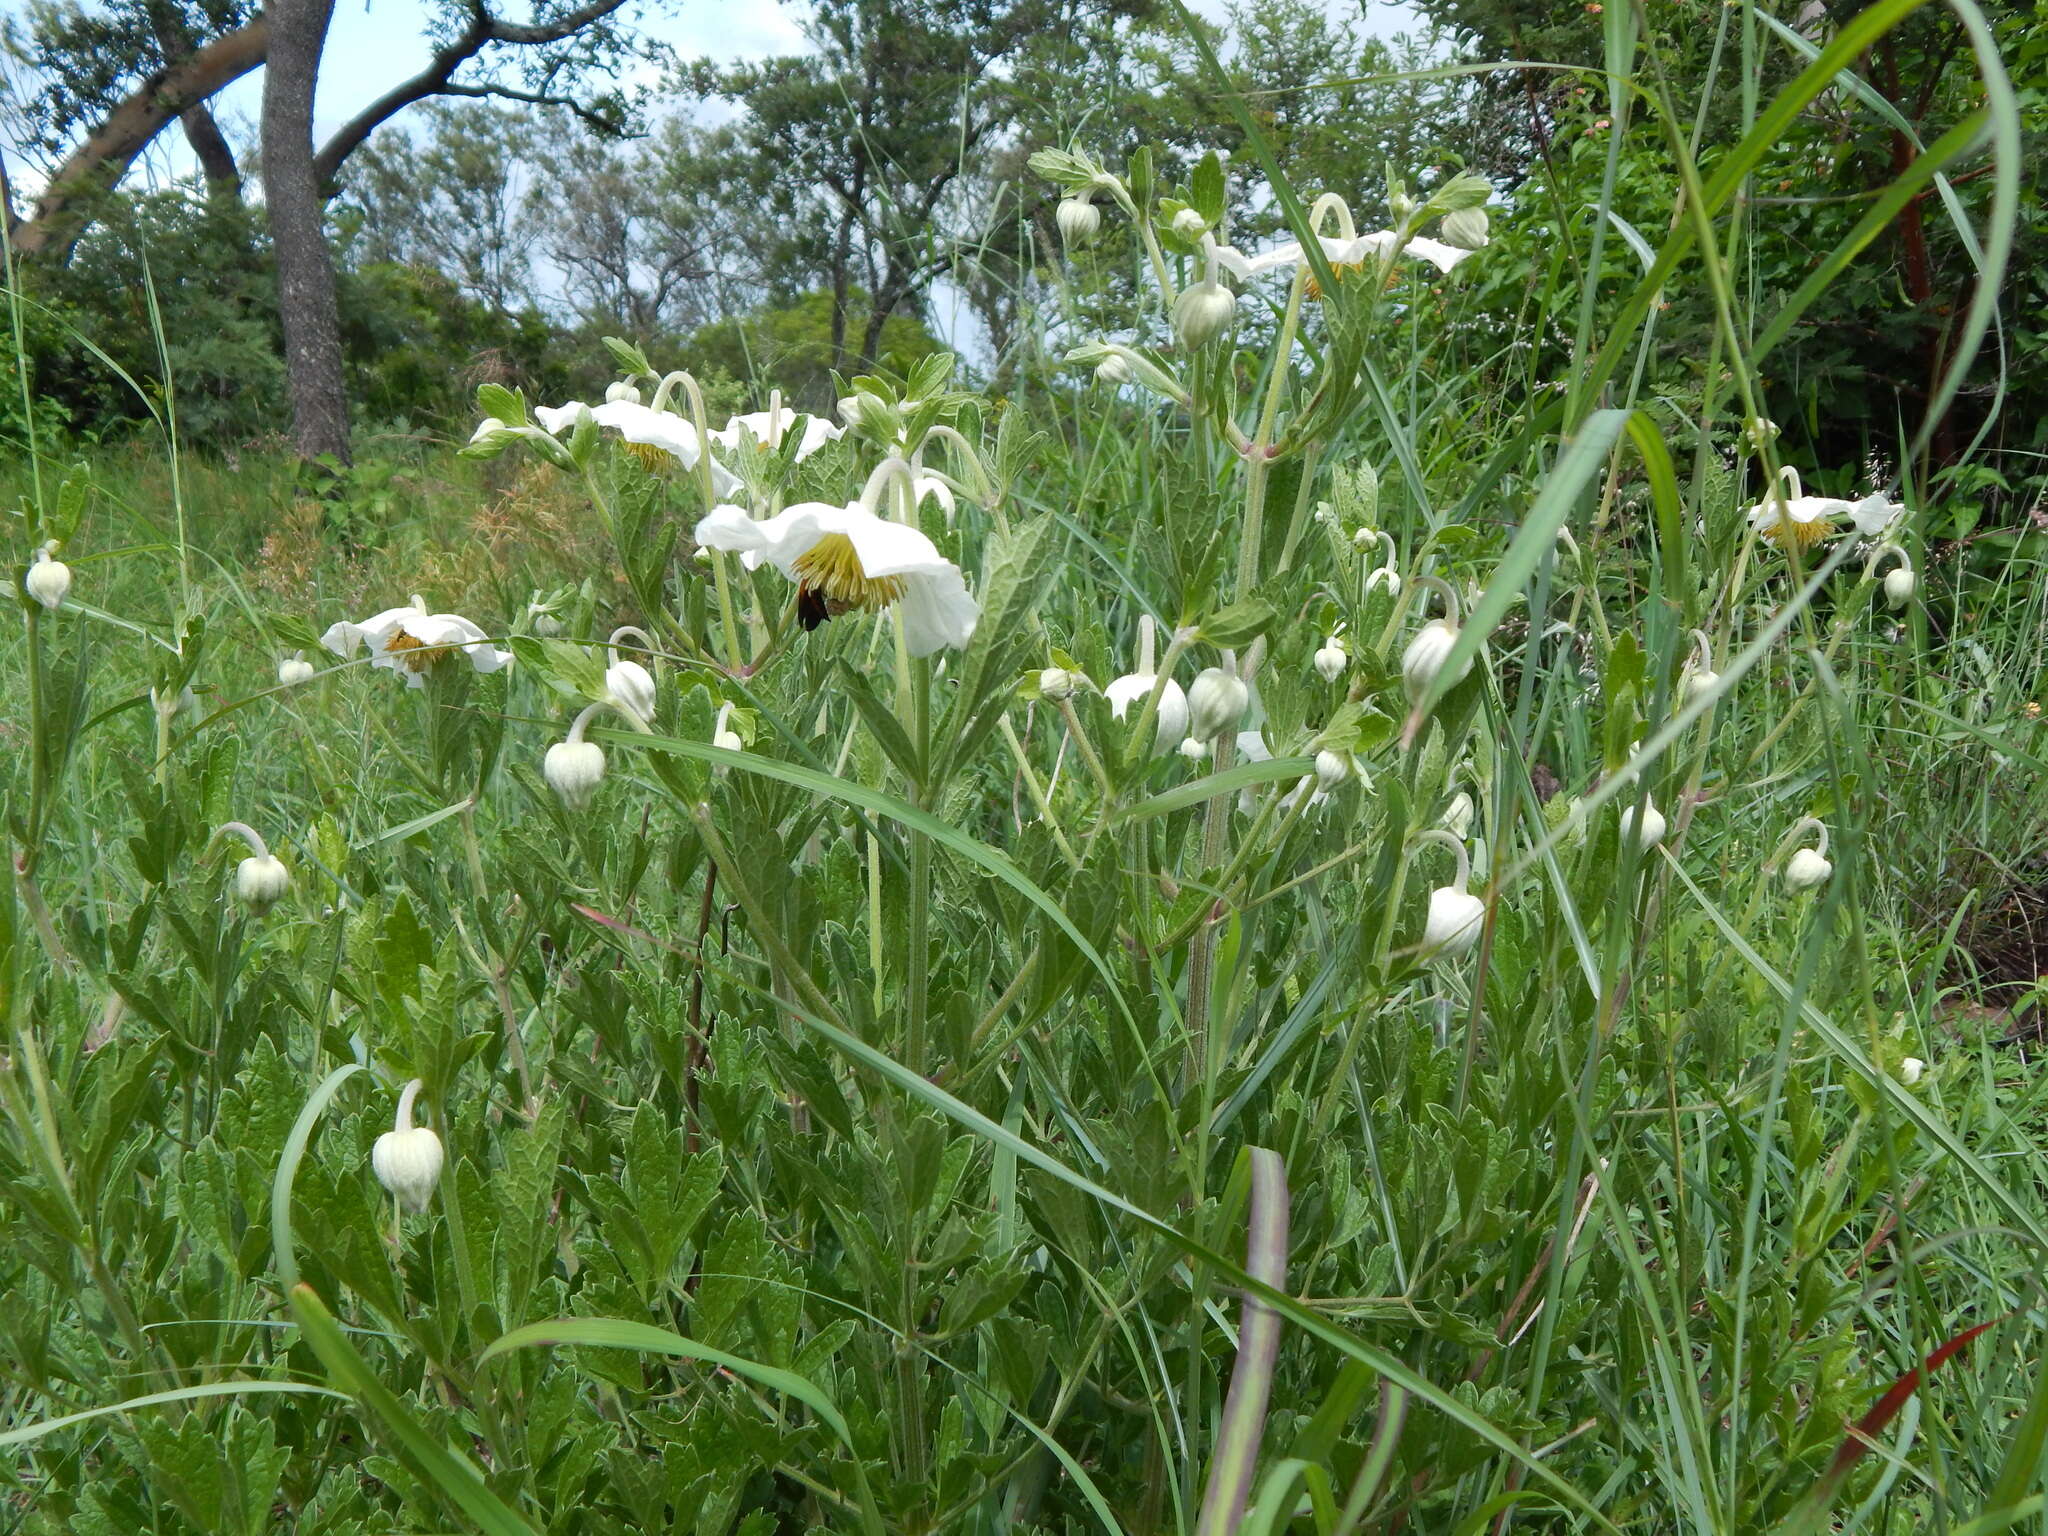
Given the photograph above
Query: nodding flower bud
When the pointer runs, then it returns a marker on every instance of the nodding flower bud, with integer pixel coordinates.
(574, 769)
(1215, 703)
(1457, 817)
(294, 669)
(1807, 869)
(624, 390)
(1194, 751)
(1649, 833)
(1331, 659)
(723, 736)
(261, 880)
(1465, 228)
(1424, 659)
(1899, 585)
(541, 615)
(632, 685)
(1190, 225)
(1202, 312)
(1057, 684)
(1078, 219)
(1332, 769)
(1452, 926)
(1911, 1070)
(48, 581)
(1113, 370)
(407, 1158)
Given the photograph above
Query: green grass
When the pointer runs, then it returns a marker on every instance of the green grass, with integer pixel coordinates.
(875, 1128)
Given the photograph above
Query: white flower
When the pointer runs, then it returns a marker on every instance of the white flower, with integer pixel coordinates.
(1330, 660)
(1078, 218)
(1457, 817)
(1215, 702)
(48, 581)
(1453, 923)
(294, 669)
(842, 558)
(1911, 1070)
(1899, 585)
(261, 879)
(1132, 689)
(1807, 869)
(642, 424)
(761, 426)
(1788, 516)
(573, 770)
(1345, 256)
(1650, 833)
(1875, 517)
(411, 640)
(632, 685)
(407, 1158)
(1424, 658)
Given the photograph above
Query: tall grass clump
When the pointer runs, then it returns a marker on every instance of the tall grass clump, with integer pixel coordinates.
(1293, 929)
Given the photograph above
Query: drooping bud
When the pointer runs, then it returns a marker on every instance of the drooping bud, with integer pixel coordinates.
(1465, 228)
(624, 390)
(1899, 585)
(632, 685)
(407, 1158)
(1133, 689)
(1424, 658)
(1650, 833)
(1452, 926)
(1911, 1070)
(1202, 312)
(295, 669)
(261, 880)
(1215, 703)
(48, 581)
(574, 769)
(1332, 769)
(1807, 869)
(1078, 219)
(1330, 660)
(1194, 751)
(723, 736)
(1457, 817)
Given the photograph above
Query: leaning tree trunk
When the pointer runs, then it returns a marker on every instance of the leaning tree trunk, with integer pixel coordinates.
(292, 198)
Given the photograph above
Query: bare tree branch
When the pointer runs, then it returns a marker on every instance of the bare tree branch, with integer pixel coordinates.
(437, 78)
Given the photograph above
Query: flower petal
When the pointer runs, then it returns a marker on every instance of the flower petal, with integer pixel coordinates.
(937, 611)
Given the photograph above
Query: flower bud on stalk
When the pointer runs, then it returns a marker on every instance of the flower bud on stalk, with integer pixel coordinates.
(723, 735)
(1215, 703)
(1452, 925)
(1190, 225)
(48, 581)
(261, 879)
(295, 669)
(1808, 868)
(1699, 676)
(575, 767)
(628, 683)
(1649, 833)
(1332, 769)
(1114, 370)
(1056, 684)
(1194, 751)
(1465, 228)
(407, 1158)
(1331, 659)
(624, 390)
(1911, 1070)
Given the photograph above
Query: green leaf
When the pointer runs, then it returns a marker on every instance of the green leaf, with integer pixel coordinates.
(1206, 189)
(24, 1433)
(1240, 623)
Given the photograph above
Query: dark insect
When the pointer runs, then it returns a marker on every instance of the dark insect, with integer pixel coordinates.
(811, 608)
(814, 607)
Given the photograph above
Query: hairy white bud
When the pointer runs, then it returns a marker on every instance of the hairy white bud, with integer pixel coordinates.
(1201, 313)
(1332, 769)
(631, 685)
(1190, 225)
(1215, 703)
(295, 669)
(1330, 660)
(1452, 926)
(1650, 833)
(260, 880)
(622, 390)
(1424, 658)
(407, 1158)
(1113, 370)
(1056, 684)
(1194, 751)
(1806, 869)
(48, 581)
(1911, 1070)
(1899, 585)
(1078, 219)
(574, 769)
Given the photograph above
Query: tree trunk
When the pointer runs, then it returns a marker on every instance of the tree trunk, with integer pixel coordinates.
(209, 145)
(292, 198)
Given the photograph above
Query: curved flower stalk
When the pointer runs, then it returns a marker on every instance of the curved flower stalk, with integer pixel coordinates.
(629, 684)
(1699, 675)
(1900, 582)
(407, 1158)
(1424, 658)
(261, 879)
(1807, 868)
(1452, 925)
(845, 559)
(411, 641)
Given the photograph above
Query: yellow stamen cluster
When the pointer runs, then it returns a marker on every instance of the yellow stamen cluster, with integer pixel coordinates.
(651, 458)
(831, 567)
(1314, 289)
(413, 651)
(1783, 529)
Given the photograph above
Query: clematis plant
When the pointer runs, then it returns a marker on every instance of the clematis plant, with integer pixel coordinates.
(412, 641)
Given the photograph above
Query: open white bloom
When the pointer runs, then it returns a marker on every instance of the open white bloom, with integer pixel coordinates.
(1787, 516)
(411, 640)
(1134, 688)
(1874, 516)
(48, 581)
(663, 430)
(407, 1158)
(766, 427)
(1346, 257)
(844, 558)
(294, 669)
